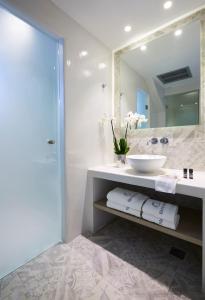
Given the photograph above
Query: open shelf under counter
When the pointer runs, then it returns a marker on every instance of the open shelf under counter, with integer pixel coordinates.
(189, 228)
(190, 197)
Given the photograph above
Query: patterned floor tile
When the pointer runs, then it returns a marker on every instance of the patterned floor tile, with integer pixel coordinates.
(121, 262)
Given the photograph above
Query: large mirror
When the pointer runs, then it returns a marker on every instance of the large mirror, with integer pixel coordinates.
(160, 79)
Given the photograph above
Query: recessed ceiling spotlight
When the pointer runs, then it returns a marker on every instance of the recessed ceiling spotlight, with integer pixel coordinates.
(143, 48)
(83, 53)
(168, 4)
(178, 32)
(127, 28)
(102, 66)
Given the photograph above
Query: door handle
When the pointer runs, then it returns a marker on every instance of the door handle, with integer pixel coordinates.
(51, 142)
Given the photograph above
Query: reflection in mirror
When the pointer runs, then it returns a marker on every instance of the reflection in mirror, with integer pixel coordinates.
(161, 80)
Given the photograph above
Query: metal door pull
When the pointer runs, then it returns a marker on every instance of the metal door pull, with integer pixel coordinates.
(51, 142)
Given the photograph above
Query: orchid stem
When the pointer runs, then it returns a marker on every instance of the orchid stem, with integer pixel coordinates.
(114, 137)
(126, 131)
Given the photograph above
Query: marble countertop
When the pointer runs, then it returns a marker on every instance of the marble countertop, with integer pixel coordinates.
(192, 187)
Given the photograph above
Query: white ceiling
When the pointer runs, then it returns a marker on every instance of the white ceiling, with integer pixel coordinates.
(105, 19)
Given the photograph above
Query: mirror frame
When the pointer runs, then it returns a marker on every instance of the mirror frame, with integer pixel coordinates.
(198, 15)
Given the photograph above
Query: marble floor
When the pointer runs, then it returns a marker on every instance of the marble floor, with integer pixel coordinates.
(122, 261)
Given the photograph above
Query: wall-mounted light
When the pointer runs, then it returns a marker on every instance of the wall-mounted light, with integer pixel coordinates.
(83, 53)
(87, 73)
(68, 62)
(102, 66)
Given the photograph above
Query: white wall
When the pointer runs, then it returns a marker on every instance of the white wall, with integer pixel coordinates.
(157, 107)
(85, 144)
(130, 82)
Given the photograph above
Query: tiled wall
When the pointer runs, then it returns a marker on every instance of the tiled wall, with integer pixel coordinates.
(186, 148)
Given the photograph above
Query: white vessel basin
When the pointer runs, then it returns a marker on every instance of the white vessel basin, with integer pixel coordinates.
(146, 163)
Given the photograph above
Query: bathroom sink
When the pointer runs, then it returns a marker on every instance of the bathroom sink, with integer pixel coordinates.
(146, 163)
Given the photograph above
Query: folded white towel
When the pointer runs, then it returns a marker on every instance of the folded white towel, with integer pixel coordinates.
(124, 209)
(127, 198)
(160, 210)
(172, 225)
(166, 184)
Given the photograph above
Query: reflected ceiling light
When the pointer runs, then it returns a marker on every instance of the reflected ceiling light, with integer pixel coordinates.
(102, 66)
(87, 73)
(196, 103)
(68, 62)
(168, 4)
(127, 28)
(178, 32)
(143, 48)
(83, 53)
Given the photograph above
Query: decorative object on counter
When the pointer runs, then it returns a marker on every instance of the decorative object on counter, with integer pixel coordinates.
(141, 206)
(185, 172)
(166, 184)
(121, 147)
(191, 174)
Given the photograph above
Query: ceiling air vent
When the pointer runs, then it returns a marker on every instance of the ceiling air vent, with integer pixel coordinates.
(176, 75)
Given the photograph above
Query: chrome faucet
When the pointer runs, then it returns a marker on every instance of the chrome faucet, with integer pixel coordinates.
(153, 141)
(164, 141)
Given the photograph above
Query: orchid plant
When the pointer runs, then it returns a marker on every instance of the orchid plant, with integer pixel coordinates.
(135, 120)
(132, 121)
(121, 147)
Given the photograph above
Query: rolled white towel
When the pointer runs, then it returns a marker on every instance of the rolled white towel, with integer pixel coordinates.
(124, 209)
(172, 225)
(127, 198)
(160, 210)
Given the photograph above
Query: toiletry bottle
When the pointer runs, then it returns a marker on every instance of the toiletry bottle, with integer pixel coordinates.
(191, 174)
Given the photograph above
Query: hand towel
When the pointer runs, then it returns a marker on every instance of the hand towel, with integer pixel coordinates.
(124, 209)
(172, 225)
(127, 198)
(160, 210)
(166, 184)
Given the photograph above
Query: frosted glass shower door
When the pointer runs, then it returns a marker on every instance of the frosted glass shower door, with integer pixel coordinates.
(30, 191)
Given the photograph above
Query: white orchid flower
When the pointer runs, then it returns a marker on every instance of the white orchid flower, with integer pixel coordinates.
(135, 120)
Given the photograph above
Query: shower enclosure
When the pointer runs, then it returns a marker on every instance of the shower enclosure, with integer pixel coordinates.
(31, 142)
